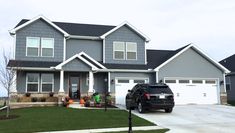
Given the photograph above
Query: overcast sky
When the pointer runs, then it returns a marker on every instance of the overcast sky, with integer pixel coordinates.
(170, 24)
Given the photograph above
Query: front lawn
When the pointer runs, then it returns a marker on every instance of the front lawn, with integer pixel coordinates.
(59, 118)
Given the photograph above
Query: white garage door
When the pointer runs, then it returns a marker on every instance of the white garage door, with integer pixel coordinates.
(122, 85)
(194, 91)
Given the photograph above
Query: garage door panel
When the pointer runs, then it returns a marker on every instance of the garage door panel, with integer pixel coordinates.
(123, 85)
(194, 92)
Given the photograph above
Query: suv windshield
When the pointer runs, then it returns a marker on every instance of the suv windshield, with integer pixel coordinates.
(158, 89)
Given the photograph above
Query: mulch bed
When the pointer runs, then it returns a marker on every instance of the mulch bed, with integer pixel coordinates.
(3, 117)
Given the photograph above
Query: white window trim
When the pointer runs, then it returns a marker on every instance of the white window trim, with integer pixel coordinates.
(118, 50)
(32, 83)
(32, 47)
(131, 50)
(52, 47)
(47, 83)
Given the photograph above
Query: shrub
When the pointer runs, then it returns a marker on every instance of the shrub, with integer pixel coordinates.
(27, 94)
(51, 94)
(42, 99)
(34, 99)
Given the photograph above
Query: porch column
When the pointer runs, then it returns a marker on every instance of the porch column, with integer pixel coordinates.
(61, 81)
(109, 81)
(91, 81)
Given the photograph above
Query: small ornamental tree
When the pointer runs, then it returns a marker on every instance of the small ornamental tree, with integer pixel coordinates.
(7, 78)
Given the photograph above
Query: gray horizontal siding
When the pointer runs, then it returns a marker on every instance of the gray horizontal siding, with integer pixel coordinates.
(93, 48)
(124, 34)
(21, 80)
(190, 64)
(39, 28)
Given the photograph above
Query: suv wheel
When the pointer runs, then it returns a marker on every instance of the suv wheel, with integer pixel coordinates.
(140, 108)
(169, 110)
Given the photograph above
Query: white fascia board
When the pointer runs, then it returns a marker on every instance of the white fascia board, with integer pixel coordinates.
(13, 31)
(32, 68)
(96, 62)
(172, 58)
(123, 70)
(199, 51)
(210, 59)
(59, 67)
(147, 39)
(85, 37)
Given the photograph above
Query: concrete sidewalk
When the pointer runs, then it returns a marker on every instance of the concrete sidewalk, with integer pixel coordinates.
(102, 130)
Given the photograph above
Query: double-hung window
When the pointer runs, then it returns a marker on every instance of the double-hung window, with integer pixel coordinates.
(32, 46)
(131, 51)
(119, 50)
(32, 82)
(47, 47)
(47, 82)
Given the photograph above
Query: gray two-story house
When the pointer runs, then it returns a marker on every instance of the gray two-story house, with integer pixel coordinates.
(75, 60)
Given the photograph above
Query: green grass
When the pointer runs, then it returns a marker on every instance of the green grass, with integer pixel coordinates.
(231, 103)
(59, 118)
(149, 131)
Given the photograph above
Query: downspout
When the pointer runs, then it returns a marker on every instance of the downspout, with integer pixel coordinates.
(224, 83)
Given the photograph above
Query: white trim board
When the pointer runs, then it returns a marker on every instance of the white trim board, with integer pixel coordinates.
(13, 31)
(200, 52)
(83, 59)
(129, 25)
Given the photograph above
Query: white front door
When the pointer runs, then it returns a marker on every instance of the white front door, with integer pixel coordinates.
(194, 91)
(122, 85)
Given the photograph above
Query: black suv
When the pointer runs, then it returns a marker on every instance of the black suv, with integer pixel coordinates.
(146, 96)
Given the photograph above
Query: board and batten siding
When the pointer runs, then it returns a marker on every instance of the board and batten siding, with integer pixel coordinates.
(41, 29)
(93, 48)
(124, 34)
(76, 65)
(190, 64)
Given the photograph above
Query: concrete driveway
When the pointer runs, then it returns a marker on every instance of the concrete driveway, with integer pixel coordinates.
(195, 119)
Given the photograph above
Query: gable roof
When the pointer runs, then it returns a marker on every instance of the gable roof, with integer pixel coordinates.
(178, 52)
(83, 57)
(24, 23)
(229, 63)
(76, 29)
(79, 29)
(156, 57)
(130, 26)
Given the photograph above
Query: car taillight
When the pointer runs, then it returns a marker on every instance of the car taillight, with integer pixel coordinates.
(147, 96)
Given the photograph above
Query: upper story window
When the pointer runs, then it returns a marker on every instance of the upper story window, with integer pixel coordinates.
(47, 49)
(32, 46)
(131, 51)
(119, 50)
(124, 50)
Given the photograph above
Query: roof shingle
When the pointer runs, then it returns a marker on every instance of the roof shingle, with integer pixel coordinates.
(79, 29)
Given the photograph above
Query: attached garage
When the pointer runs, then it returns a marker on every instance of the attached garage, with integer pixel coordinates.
(194, 91)
(122, 85)
(192, 75)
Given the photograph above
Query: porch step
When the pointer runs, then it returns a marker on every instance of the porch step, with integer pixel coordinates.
(76, 105)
